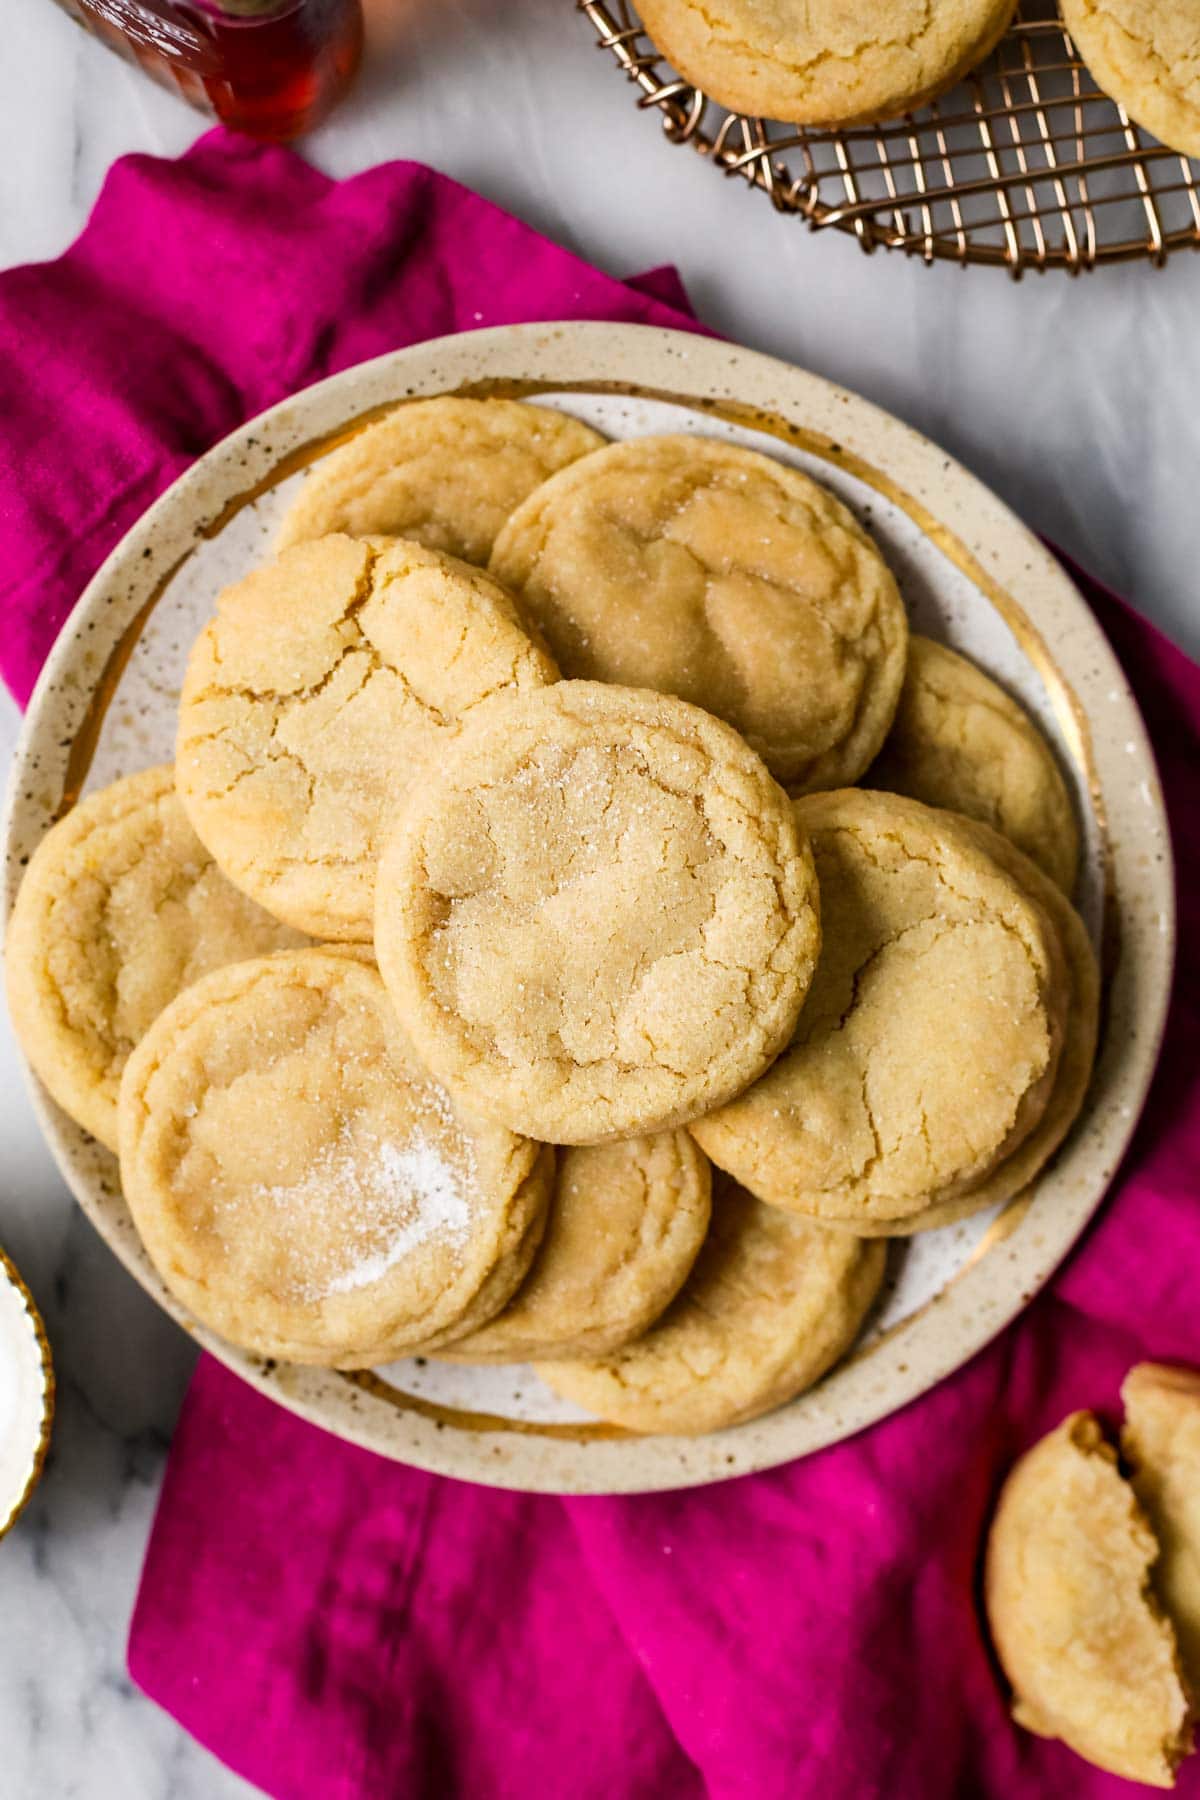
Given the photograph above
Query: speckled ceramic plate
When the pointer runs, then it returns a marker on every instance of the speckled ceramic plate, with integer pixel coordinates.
(971, 574)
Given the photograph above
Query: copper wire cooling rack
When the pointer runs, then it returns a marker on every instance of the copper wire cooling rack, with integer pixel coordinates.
(1026, 164)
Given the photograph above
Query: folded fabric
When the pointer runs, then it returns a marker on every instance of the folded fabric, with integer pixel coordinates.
(205, 289)
(334, 1625)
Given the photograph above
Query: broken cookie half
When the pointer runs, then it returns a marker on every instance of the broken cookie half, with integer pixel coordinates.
(1160, 1442)
(1076, 1620)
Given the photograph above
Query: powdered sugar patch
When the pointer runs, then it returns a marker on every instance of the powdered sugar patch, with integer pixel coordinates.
(419, 1173)
(395, 1196)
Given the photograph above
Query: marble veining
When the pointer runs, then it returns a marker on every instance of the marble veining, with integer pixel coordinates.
(1076, 400)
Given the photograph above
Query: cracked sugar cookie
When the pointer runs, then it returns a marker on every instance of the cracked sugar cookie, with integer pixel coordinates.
(696, 568)
(825, 62)
(1082, 1021)
(300, 1181)
(1160, 1442)
(626, 1223)
(771, 1304)
(1077, 1626)
(929, 1044)
(314, 697)
(960, 742)
(120, 908)
(597, 917)
(446, 472)
(1146, 54)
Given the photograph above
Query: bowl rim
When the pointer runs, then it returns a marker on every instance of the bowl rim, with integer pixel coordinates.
(11, 1276)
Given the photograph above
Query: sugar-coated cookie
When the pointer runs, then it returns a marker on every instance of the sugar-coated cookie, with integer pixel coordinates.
(1146, 54)
(771, 1304)
(303, 1185)
(928, 1046)
(626, 1223)
(121, 907)
(1082, 1023)
(1091, 1657)
(1160, 1442)
(959, 741)
(825, 62)
(697, 568)
(312, 701)
(597, 916)
(446, 472)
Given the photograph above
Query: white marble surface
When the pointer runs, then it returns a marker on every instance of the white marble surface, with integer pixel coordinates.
(1077, 400)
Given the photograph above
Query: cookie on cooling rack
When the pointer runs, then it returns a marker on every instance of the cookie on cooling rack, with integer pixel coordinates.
(303, 1185)
(1078, 1629)
(626, 1223)
(1145, 54)
(697, 568)
(120, 908)
(771, 1304)
(959, 741)
(446, 472)
(597, 916)
(825, 62)
(312, 701)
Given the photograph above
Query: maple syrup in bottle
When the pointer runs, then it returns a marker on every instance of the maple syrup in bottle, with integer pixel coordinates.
(272, 68)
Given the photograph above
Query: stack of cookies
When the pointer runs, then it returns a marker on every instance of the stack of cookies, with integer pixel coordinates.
(509, 967)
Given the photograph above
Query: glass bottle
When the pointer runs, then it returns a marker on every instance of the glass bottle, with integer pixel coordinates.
(271, 68)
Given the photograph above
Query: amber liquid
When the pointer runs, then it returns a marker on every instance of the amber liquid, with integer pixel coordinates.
(272, 72)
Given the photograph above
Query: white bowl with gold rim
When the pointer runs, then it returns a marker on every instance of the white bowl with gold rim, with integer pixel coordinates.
(972, 575)
(26, 1394)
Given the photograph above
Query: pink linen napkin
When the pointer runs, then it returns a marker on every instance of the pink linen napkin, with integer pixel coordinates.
(205, 289)
(337, 1627)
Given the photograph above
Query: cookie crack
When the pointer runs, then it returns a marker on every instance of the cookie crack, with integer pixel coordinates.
(1165, 74)
(881, 1151)
(805, 67)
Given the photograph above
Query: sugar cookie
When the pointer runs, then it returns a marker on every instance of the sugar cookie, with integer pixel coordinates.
(928, 1046)
(1090, 1655)
(959, 741)
(1161, 1444)
(626, 1223)
(312, 700)
(597, 917)
(1146, 54)
(694, 567)
(121, 907)
(303, 1185)
(771, 1304)
(1082, 1023)
(825, 62)
(446, 472)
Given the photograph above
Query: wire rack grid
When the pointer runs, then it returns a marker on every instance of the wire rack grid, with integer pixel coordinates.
(1026, 164)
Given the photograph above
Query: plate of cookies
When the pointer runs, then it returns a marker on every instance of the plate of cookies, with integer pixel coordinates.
(585, 908)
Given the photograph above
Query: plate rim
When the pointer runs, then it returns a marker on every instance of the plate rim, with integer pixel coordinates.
(698, 368)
